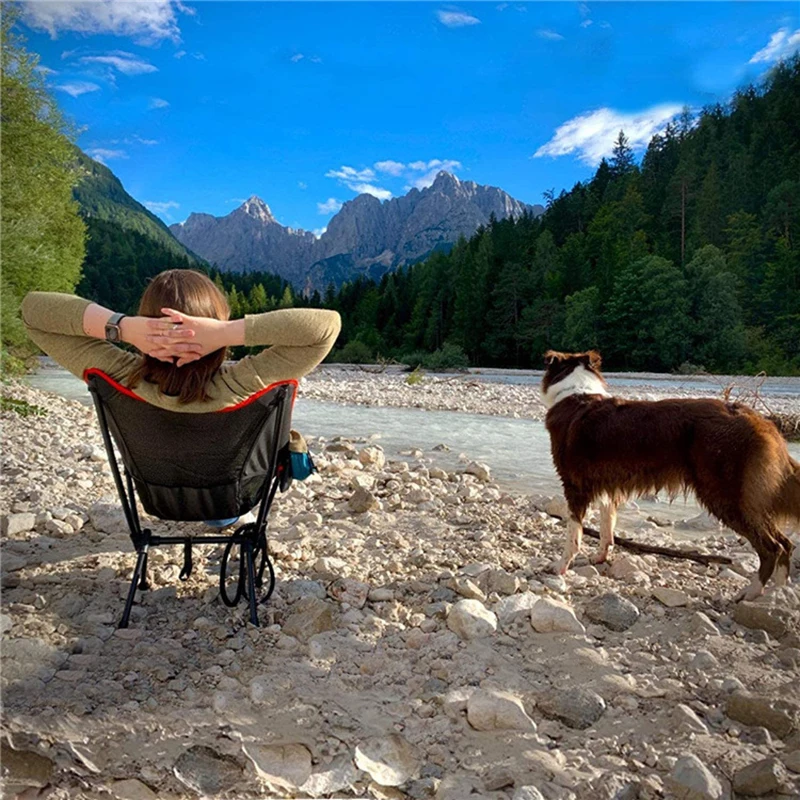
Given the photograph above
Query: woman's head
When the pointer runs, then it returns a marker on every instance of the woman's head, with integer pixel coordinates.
(194, 294)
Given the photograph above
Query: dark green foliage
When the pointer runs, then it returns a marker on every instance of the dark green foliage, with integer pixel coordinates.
(101, 196)
(692, 257)
(21, 407)
(42, 242)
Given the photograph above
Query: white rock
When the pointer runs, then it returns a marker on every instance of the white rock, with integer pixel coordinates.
(672, 598)
(479, 470)
(556, 507)
(491, 709)
(389, 760)
(509, 607)
(286, 765)
(470, 619)
(132, 789)
(527, 793)
(551, 616)
(361, 500)
(107, 518)
(332, 778)
(18, 523)
(372, 457)
(691, 779)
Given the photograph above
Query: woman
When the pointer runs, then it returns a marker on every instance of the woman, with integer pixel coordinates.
(182, 331)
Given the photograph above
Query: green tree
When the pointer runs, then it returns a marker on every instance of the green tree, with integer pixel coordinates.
(582, 320)
(43, 236)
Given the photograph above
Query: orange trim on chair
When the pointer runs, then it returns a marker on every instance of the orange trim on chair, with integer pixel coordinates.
(130, 393)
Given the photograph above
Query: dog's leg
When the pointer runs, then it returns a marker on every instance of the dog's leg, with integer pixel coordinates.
(608, 520)
(781, 574)
(572, 546)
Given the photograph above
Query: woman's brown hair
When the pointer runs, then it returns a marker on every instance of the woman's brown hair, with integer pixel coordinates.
(195, 294)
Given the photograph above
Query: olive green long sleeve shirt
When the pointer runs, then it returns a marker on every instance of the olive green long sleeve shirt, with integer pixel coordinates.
(297, 339)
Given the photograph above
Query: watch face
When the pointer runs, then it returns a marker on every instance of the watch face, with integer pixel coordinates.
(112, 333)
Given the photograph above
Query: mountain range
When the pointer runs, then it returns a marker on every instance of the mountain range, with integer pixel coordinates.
(366, 237)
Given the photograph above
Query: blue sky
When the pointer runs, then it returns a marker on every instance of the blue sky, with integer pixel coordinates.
(197, 106)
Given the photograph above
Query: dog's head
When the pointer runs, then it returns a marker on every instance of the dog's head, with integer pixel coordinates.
(559, 366)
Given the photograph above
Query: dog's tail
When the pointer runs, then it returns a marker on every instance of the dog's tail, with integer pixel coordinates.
(787, 502)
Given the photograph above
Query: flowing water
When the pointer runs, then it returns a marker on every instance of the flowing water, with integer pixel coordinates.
(518, 450)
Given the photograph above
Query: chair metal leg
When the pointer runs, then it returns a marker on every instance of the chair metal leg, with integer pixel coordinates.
(141, 561)
(251, 581)
(143, 583)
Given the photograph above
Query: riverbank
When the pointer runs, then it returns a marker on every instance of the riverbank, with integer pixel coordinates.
(503, 393)
(416, 639)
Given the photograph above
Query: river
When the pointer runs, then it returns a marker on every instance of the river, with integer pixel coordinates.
(518, 450)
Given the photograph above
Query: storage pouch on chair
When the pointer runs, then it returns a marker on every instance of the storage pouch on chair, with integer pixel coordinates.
(301, 464)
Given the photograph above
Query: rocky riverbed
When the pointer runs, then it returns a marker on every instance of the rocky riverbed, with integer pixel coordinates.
(417, 646)
(471, 394)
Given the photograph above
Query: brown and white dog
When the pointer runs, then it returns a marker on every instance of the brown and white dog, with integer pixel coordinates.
(607, 449)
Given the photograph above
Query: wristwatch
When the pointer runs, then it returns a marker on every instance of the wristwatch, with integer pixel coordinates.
(113, 331)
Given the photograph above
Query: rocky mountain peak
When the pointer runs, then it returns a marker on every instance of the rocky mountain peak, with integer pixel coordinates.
(257, 208)
(445, 182)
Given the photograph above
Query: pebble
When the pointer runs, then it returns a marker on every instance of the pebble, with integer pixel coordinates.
(309, 617)
(552, 616)
(207, 772)
(389, 760)
(672, 598)
(13, 524)
(470, 619)
(613, 611)
(576, 707)
(690, 779)
(492, 709)
(285, 765)
(759, 778)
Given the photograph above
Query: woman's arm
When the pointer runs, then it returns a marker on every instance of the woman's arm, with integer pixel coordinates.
(298, 339)
(72, 331)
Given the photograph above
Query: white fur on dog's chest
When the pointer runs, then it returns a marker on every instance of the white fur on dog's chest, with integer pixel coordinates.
(579, 381)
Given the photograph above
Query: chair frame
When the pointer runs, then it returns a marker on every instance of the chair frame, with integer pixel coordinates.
(251, 537)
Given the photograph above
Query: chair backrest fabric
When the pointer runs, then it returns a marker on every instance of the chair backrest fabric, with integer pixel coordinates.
(196, 466)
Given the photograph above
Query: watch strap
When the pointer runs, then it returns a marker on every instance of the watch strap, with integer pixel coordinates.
(113, 324)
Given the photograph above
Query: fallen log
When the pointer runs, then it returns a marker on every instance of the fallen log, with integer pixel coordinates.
(667, 552)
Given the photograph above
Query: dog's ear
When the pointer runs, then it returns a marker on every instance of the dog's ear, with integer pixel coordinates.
(594, 359)
(550, 356)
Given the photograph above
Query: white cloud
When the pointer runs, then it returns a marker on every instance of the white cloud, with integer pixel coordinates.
(319, 231)
(139, 140)
(553, 36)
(457, 19)
(431, 169)
(157, 102)
(586, 23)
(297, 57)
(158, 207)
(782, 44)
(375, 191)
(591, 136)
(102, 154)
(302, 185)
(351, 175)
(179, 54)
(237, 200)
(45, 70)
(199, 56)
(395, 168)
(77, 88)
(330, 206)
(315, 60)
(126, 63)
(148, 21)
(584, 10)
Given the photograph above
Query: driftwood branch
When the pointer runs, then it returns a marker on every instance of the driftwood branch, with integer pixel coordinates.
(668, 552)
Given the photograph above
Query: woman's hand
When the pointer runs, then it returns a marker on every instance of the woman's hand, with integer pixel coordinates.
(161, 338)
(197, 336)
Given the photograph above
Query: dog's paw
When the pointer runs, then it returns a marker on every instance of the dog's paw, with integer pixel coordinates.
(559, 567)
(600, 557)
(751, 592)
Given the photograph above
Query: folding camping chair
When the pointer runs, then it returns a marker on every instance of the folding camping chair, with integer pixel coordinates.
(198, 466)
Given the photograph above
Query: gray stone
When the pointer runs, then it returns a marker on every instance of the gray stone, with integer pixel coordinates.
(613, 611)
(577, 707)
(107, 518)
(549, 616)
(686, 720)
(299, 588)
(510, 607)
(372, 457)
(479, 470)
(492, 709)
(309, 617)
(24, 768)
(286, 765)
(503, 582)
(206, 771)
(792, 760)
(12, 563)
(759, 778)
(350, 591)
(362, 500)
(527, 793)
(470, 619)
(691, 779)
(775, 621)
(23, 657)
(337, 776)
(389, 760)
(672, 598)
(132, 789)
(779, 716)
(13, 524)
